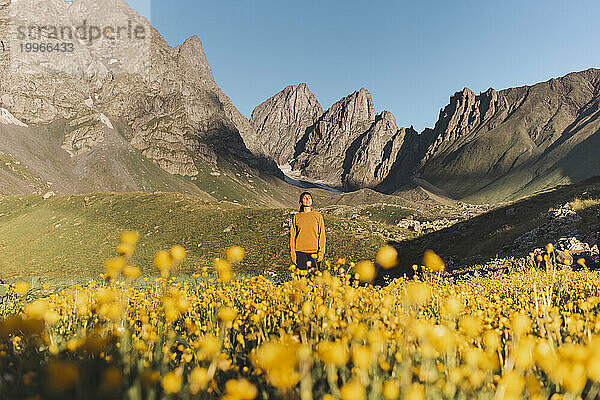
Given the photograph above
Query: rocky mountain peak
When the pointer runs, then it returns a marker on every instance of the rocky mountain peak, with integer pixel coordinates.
(282, 121)
(192, 52)
(388, 118)
(465, 112)
(347, 146)
(498, 145)
(352, 111)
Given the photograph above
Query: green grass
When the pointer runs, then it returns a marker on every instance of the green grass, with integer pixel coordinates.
(388, 214)
(67, 238)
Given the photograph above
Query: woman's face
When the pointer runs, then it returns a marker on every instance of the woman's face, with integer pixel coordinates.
(307, 200)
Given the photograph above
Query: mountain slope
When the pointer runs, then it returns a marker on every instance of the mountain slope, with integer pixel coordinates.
(513, 230)
(69, 237)
(503, 145)
(160, 101)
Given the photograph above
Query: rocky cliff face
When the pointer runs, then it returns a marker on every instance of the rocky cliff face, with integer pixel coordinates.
(331, 143)
(347, 146)
(174, 111)
(377, 152)
(282, 121)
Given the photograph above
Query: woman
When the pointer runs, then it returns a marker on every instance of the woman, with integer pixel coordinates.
(307, 235)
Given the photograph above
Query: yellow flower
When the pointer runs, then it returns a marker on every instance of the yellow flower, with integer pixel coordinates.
(549, 248)
(209, 347)
(512, 383)
(520, 324)
(126, 249)
(131, 272)
(433, 261)
(353, 390)
(51, 317)
(36, 309)
(391, 389)
(451, 307)
(386, 257)
(198, 379)
(491, 341)
(223, 268)
(524, 353)
(114, 266)
(177, 253)
(227, 314)
(235, 254)
(416, 391)
(21, 288)
(171, 382)
(241, 389)
(365, 270)
(470, 325)
(333, 353)
(163, 262)
(279, 360)
(130, 237)
(417, 293)
(361, 356)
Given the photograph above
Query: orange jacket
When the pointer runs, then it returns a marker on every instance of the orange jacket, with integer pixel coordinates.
(307, 233)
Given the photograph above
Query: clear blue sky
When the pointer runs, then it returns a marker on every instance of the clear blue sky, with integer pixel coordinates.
(411, 55)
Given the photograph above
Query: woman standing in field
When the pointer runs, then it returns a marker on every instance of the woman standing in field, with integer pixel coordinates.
(307, 235)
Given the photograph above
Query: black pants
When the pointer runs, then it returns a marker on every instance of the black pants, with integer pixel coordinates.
(302, 258)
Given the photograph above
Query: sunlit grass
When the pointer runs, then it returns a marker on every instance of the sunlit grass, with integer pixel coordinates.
(579, 204)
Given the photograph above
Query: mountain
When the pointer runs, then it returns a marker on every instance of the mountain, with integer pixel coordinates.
(507, 144)
(126, 92)
(281, 122)
(491, 147)
(348, 146)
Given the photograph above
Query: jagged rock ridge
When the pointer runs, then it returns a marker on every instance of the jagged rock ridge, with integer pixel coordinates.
(502, 145)
(494, 146)
(347, 146)
(282, 121)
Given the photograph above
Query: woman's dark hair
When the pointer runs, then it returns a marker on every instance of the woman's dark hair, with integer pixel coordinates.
(300, 201)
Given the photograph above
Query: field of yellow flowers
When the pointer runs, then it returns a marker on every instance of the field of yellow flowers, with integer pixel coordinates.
(321, 335)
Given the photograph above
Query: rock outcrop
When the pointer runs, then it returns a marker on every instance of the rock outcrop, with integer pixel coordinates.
(331, 143)
(348, 146)
(166, 97)
(282, 121)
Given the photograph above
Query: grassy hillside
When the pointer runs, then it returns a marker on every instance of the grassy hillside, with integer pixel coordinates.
(69, 237)
(494, 233)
